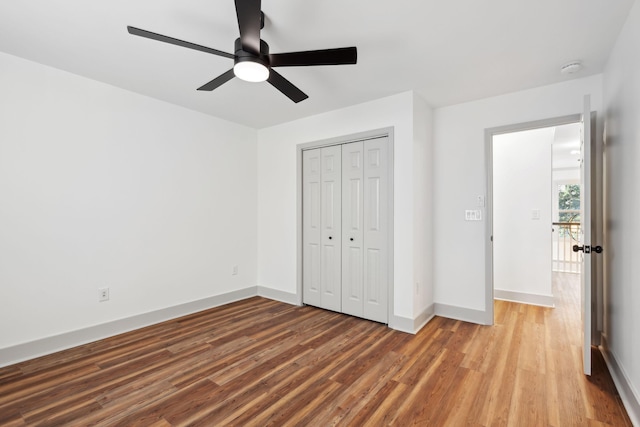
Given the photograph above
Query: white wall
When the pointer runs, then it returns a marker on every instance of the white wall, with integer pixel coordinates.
(277, 240)
(522, 244)
(460, 176)
(567, 175)
(100, 187)
(622, 203)
(423, 205)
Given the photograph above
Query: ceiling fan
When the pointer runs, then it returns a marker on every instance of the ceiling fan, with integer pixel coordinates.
(252, 60)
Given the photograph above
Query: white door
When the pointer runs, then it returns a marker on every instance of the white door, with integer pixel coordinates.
(352, 228)
(321, 189)
(331, 228)
(311, 235)
(376, 226)
(585, 235)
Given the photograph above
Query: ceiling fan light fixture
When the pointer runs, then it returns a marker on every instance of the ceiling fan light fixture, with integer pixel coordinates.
(251, 71)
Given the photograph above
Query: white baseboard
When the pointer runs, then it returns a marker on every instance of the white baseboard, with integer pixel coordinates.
(628, 393)
(461, 313)
(52, 344)
(281, 296)
(524, 298)
(412, 326)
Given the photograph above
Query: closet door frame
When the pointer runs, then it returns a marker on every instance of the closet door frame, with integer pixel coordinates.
(362, 136)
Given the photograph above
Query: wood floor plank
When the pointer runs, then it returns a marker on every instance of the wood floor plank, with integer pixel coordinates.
(412, 371)
(131, 403)
(9, 374)
(162, 375)
(458, 414)
(365, 415)
(11, 417)
(250, 385)
(28, 385)
(241, 366)
(188, 399)
(270, 389)
(479, 349)
(54, 417)
(529, 395)
(207, 368)
(258, 362)
(551, 395)
(368, 358)
(493, 406)
(529, 357)
(432, 387)
(389, 408)
(84, 389)
(312, 394)
(354, 397)
(310, 414)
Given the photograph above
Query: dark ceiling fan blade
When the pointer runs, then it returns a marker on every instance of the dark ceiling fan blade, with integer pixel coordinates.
(218, 81)
(339, 56)
(286, 87)
(249, 23)
(166, 39)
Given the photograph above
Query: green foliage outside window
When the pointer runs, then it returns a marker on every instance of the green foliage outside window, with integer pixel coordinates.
(569, 203)
(569, 209)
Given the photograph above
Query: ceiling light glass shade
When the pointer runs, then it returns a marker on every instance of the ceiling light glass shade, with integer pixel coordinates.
(251, 71)
(571, 67)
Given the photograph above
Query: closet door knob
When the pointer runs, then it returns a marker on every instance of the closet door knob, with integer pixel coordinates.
(330, 237)
(351, 239)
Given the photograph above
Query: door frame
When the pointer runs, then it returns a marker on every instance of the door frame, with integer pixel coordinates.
(489, 133)
(387, 132)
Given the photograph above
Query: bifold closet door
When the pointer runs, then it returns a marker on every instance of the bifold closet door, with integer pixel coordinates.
(322, 230)
(345, 228)
(352, 228)
(376, 229)
(364, 228)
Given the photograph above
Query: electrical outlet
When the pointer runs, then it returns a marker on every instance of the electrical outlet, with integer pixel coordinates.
(103, 294)
(234, 272)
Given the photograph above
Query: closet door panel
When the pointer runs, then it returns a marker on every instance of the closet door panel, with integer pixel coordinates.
(345, 228)
(375, 239)
(311, 227)
(331, 228)
(352, 225)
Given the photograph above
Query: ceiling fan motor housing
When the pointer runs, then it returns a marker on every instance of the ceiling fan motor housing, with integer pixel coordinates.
(242, 55)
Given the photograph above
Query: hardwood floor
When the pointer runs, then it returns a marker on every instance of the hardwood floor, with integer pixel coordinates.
(258, 362)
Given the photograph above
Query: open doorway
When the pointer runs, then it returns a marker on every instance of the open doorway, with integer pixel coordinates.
(536, 213)
(590, 220)
(490, 134)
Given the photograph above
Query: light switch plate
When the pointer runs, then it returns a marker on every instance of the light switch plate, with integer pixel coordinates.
(473, 215)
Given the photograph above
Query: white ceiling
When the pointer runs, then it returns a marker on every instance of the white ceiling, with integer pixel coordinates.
(566, 146)
(447, 51)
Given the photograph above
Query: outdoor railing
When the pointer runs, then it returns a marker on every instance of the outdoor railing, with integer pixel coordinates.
(565, 235)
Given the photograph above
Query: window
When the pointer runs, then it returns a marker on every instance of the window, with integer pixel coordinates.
(569, 203)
